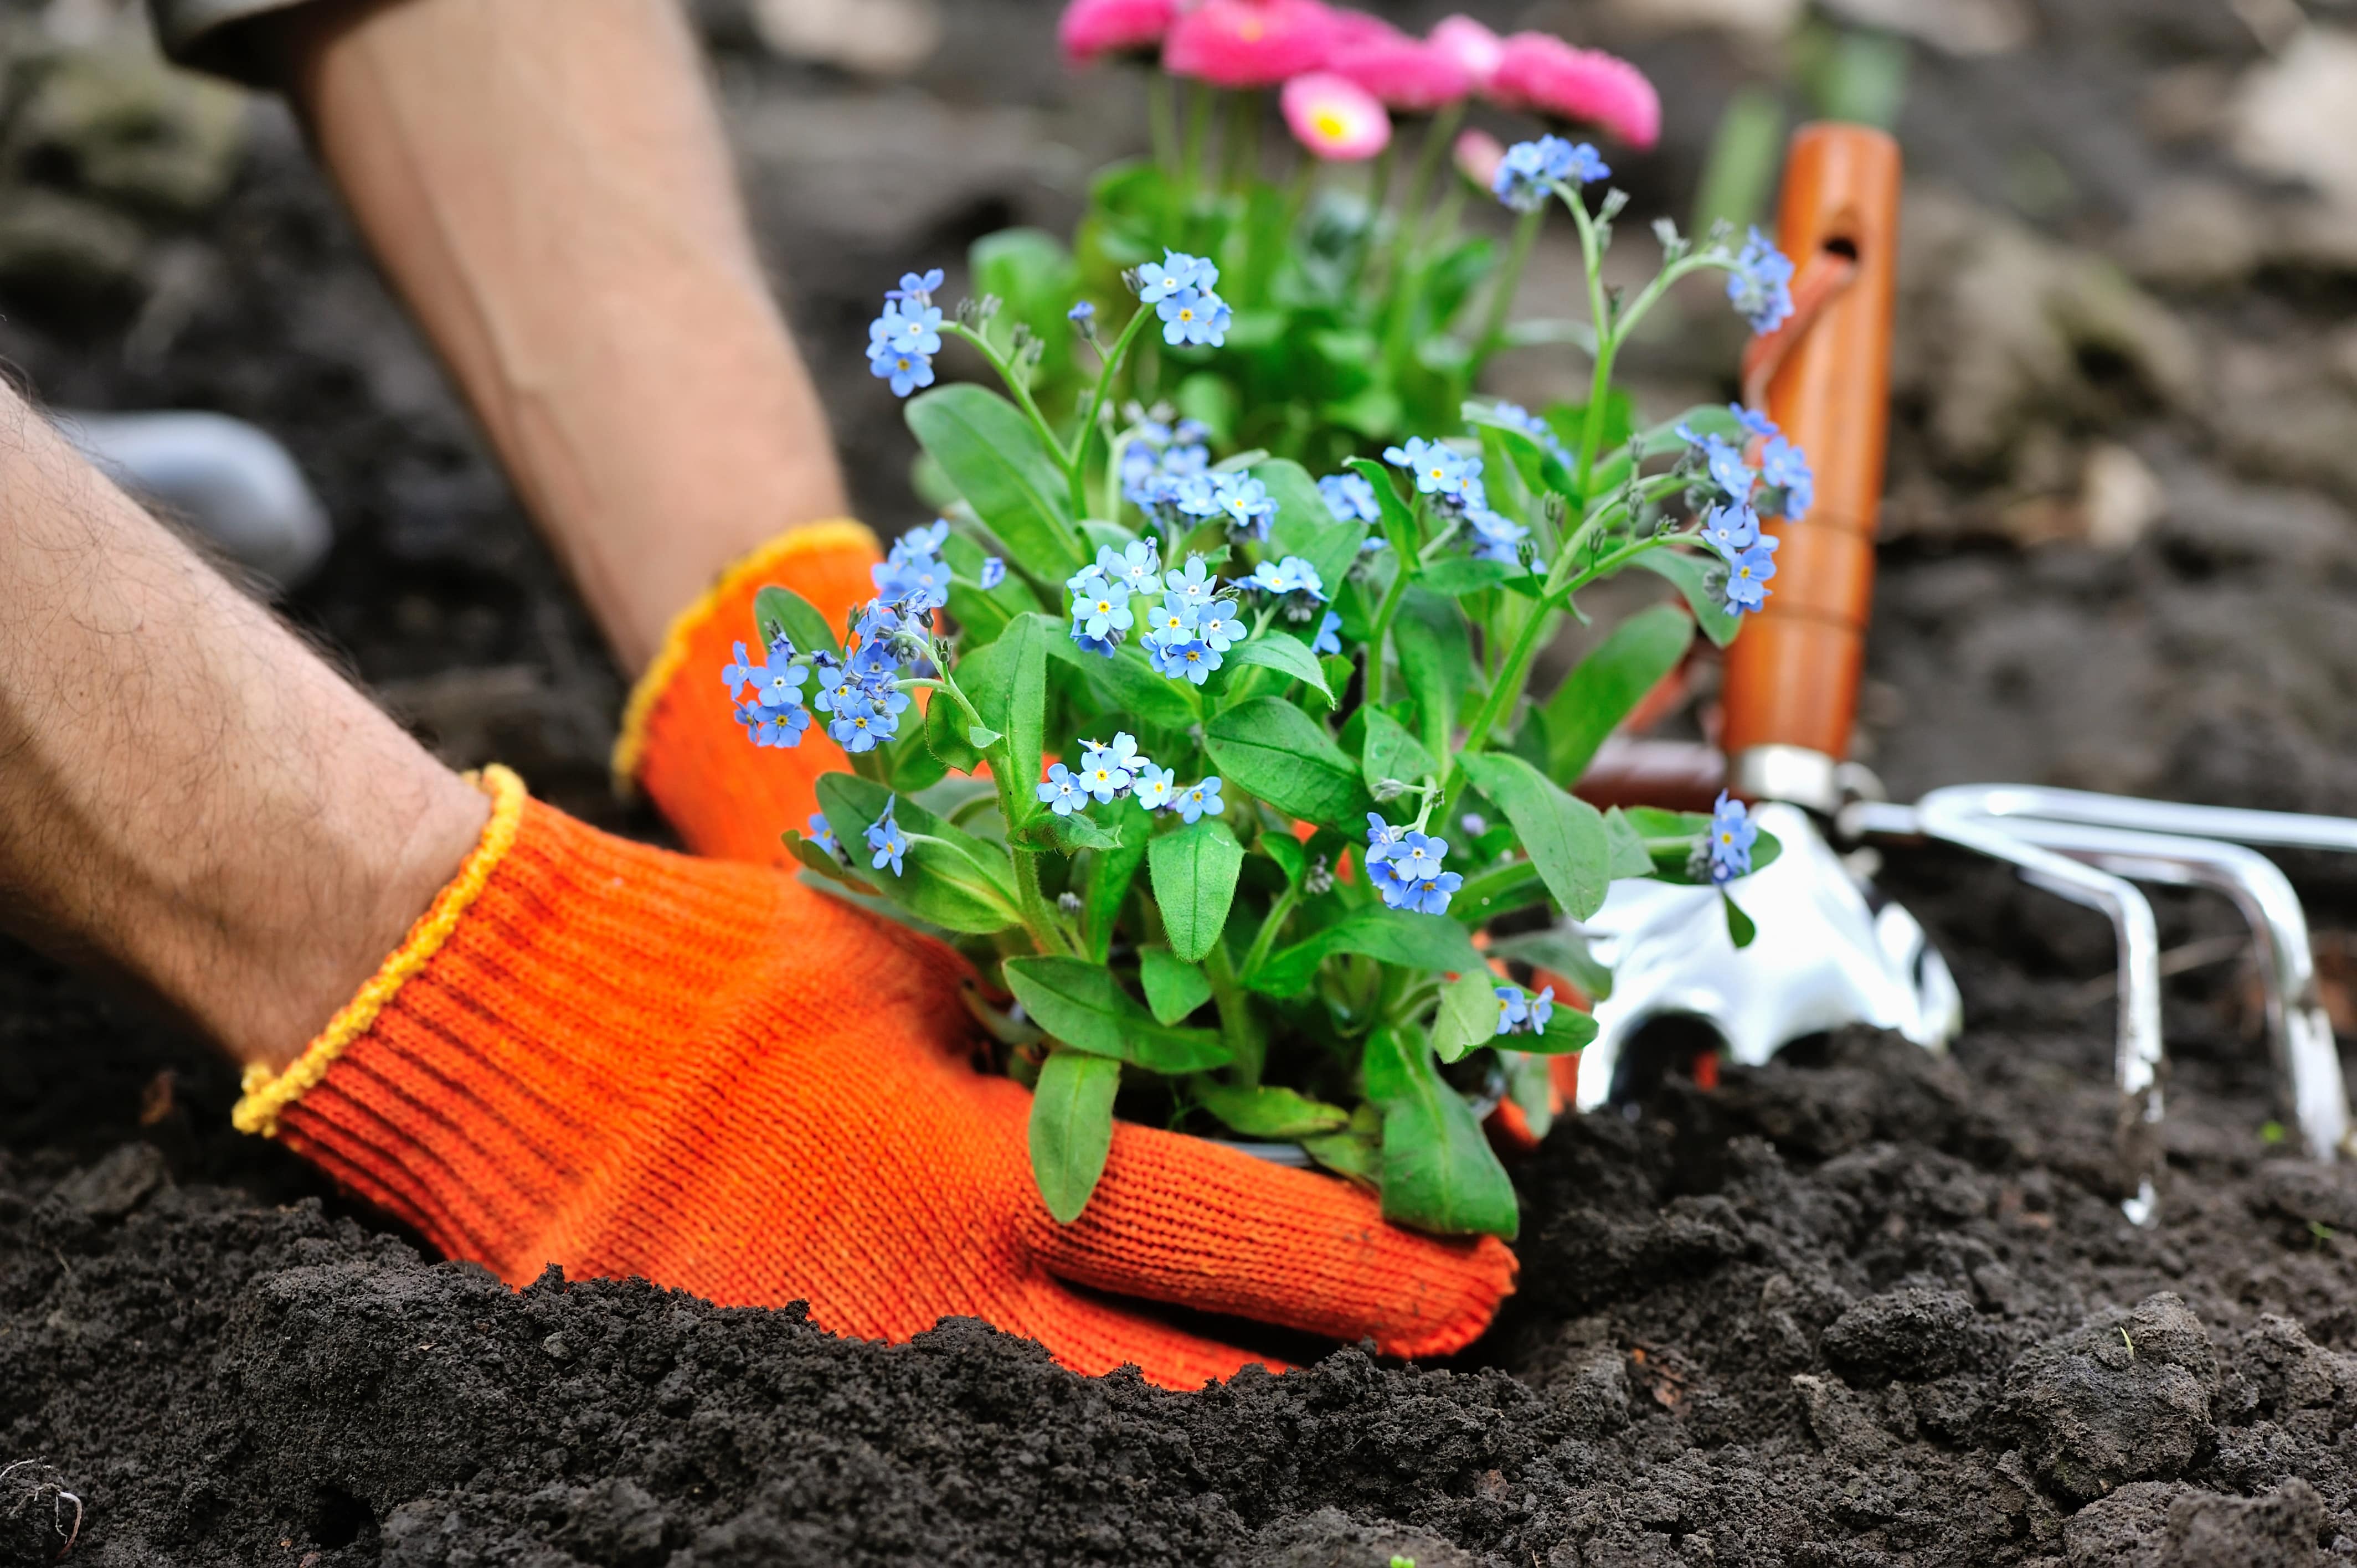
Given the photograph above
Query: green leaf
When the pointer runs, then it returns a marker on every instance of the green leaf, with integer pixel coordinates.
(912, 768)
(1276, 651)
(1072, 1129)
(1438, 1173)
(1629, 857)
(1563, 835)
(1427, 942)
(777, 609)
(1072, 834)
(1468, 1018)
(1739, 928)
(1110, 873)
(1286, 850)
(1084, 1006)
(1006, 680)
(1033, 275)
(1194, 874)
(1567, 1029)
(1003, 469)
(1278, 1113)
(1614, 677)
(1436, 658)
(1457, 575)
(1390, 752)
(1351, 1153)
(1562, 952)
(948, 734)
(1306, 525)
(1270, 748)
(1497, 890)
(1569, 421)
(949, 877)
(1174, 988)
(1529, 1084)
(1399, 522)
(1126, 683)
(813, 854)
(1692, 574)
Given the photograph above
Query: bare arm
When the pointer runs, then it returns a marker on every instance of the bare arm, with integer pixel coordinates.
(546, 183)
(188, 796)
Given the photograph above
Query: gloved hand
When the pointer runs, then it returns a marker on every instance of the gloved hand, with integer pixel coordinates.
(681, 743)
(598, 1054)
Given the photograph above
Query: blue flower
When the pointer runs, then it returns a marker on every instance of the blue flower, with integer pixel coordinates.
(1153, 786)
(1497, 538)
(1732, 835)
(909, 331)
(993, 572)
(1203, 800)
(1381, 837)
(779, 686)
(1530, 170)
(1533, 426)
(1194, 586)
(1731, 529)
(823, 835)
(1290, 575)
(1349, 498)
(1175, 273)
(1760, 283)
(1107, 770)
(1754, 423)
(916, 287)
(1081, 314)
(1061, 792)
(1785, 469)
(1134, 566)
(1725, 462)
(1194, 318)
(926, 540)
(917, 583)
(885, 837)
(1191, 660)
(1219, 628)
(1439, 470)
(1513, 1008)
(735, 673)
(1404, 866)
(1171, 621)
(1748, 575)
(1542, 1010)
(1104, 612)
(906, 372)
(1328, 640)
(772, 726)
(1430, 896)
(1104, 646)
(1245, 501)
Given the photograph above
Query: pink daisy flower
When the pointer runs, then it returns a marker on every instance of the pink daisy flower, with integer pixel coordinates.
(1542, 73)
(1406, 73)
(1334, 117)
(1473, 45)
(1249, 43)
(1091, 29)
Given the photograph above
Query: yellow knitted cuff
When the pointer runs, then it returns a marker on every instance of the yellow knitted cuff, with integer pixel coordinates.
(268, 1093)
(770, 560)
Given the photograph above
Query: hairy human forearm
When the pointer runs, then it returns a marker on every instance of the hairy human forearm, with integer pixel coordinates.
(187, 794)
(546, 183)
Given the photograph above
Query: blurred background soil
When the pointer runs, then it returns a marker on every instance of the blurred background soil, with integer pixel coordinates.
(1858, 1309)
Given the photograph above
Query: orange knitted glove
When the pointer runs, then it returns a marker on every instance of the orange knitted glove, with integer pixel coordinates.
(597, 1054)
(681, 742)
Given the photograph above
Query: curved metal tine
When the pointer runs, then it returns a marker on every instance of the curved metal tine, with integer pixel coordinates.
(2137, 1058)
(2299, 1032)
(2281, 830)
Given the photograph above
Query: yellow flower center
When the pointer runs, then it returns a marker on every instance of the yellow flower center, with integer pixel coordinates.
(1331, 124)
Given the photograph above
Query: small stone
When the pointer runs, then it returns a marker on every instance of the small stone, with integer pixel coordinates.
(117, 1184)
(555, 1349)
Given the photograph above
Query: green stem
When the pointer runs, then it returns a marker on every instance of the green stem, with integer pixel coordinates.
(1199, 133)
(1113, 363)
(1265, 937)
(1237, 1029)
(1437, 133)
(1015, 384)
(1161, 117)
(1510, 278)
(1038, 915)
(1240, 143)
(1381, 628)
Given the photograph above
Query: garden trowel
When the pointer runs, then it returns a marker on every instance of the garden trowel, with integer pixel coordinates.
(1830, 951)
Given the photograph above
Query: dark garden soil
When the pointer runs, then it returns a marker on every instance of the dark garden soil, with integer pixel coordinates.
(1863, 1306)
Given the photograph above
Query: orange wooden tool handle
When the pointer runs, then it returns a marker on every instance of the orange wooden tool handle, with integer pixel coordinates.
(1792, 675)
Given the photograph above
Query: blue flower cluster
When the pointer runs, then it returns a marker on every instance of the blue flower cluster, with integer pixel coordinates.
(1732, 835)
(1292, 583)
(1453, 480)
(1784, 472)
(773, 710)
(913, 576)
(1530, 170)
(886, 839)
(1187, 631)
(1351, 499)
(1760, 283)
(1520, 1013)
(902, 341)
(1181, 288)
(1160, 461)
(1404, 866)
(1108, 772)
(1782, 484)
